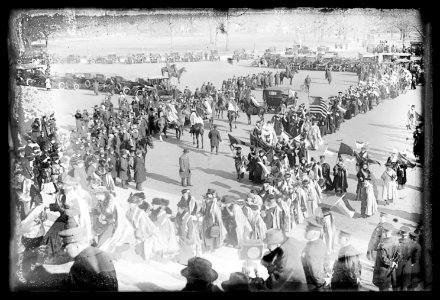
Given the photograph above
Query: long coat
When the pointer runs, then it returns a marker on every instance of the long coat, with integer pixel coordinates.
(386, 250)
(184, 166)
(123, 168)
(92, 270)
(286, 271)
(316, 263)
(140, 173)
(408, 251)
(215, 137)
(340, 179)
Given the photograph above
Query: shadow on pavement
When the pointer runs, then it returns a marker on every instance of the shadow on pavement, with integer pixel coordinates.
(241, 194)
(220, 173)
(387, 126)
(413, 217)
(221, 184)
(163, 178)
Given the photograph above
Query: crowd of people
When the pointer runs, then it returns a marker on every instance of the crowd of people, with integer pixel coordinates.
(75, 175)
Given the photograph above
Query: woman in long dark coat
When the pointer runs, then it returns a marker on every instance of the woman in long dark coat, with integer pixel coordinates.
(340, 178)
(212, 216)
(361, 175)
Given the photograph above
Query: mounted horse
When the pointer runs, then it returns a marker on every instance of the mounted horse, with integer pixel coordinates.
(198, 129)
(232, 114)
(251, 108)
(173, 72)
(290, 74)
(220, 105)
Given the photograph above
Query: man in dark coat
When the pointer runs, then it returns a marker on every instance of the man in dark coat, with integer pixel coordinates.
(184, 168)
(93, 269)
(123, 168)
(376, 237)
(199, 276)
(415, 271)
(384, 273)
(408, 257)
(315, 258)
(347, 268)
(140, 173)
(214, 136)
(283, 263)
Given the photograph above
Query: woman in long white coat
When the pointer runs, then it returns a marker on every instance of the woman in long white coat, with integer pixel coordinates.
(371, 205)
(389, 178)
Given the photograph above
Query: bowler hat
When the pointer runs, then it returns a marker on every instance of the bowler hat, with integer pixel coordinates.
(274, 236)
(237, 282)
(199, 269)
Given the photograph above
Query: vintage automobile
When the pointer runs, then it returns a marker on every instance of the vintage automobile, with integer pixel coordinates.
(309, 62)
(111, 58)
(273, 97)
(140, 58)
(368, 58)
(326, 60)
(30, 74)
(73, 59)
(213, 56)
(67, 81)
(416, 48)
(155, 57)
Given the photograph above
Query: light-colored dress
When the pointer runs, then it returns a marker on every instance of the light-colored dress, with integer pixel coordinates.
(389, 178)
(371, 201)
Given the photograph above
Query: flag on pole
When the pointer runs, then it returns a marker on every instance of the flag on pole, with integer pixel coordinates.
(234, 140)
(329, 152)
(359, 145)
(345, 149)
(363, 159)
(340, 205)
(318, 106)
(259, 143)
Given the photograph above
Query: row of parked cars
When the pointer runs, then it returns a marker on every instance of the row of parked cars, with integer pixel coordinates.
(34, 75)
(135, 58)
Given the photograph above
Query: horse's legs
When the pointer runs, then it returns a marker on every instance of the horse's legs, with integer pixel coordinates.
(201, 135)
(235, 121)
(194, 137)
(197, 137)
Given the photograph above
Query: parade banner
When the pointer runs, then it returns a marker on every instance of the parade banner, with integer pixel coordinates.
(340, 205)
(345, 149)
(236, 141)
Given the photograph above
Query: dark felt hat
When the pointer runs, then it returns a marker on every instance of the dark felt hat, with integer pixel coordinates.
(274, 236)
(156, 201)
(140, 195)
(313, 225)
(210, 191)
(185, 190)
(237, 282)
(199, 269)
(144, 205)
(164, 202)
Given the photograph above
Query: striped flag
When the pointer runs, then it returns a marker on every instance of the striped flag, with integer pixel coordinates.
(318, 106)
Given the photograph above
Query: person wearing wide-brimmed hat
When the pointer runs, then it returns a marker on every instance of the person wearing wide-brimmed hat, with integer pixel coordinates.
(213, 231)
(199, 276)
(92, 269)
(189, 241)
(123, 168)
(315, 257)
(389, 178)
(283, 263)
(238, 282)
(148, 241)
(185, 168)
(384, 273)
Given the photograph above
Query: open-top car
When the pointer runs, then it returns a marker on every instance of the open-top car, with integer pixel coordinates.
(67, 81)
(30, 74)
(273, 97)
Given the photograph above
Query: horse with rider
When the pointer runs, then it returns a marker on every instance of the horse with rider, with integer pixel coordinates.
(172, 71)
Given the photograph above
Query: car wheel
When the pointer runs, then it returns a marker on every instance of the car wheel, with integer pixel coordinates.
(76, 86)
(88, 84)
(61, 85)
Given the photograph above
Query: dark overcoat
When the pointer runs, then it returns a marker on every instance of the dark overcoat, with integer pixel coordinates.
(215, 137)
(140, 172)
(123, 168)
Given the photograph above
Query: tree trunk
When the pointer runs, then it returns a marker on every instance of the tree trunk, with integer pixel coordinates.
(227, 32)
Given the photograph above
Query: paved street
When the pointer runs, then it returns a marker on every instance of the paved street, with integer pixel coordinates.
(383, 128)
